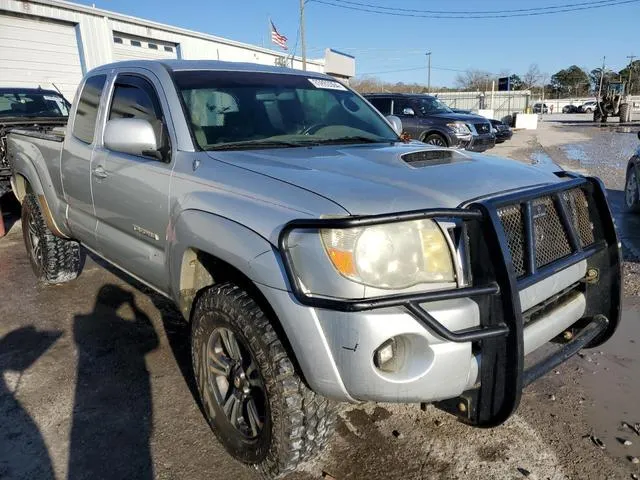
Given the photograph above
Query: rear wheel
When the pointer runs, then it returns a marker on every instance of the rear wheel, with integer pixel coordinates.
(625, 113)
(53, 259)
(255, 402)
(435, 139)
(632, 191)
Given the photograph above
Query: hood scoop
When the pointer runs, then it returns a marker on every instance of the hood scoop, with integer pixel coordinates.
(431, 157)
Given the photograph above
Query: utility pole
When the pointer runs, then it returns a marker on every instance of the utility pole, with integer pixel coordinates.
(601, 79)
(429, 72)
(631, 59)
(302, 39)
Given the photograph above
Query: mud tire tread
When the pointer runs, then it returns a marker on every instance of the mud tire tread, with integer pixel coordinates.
(302, 421)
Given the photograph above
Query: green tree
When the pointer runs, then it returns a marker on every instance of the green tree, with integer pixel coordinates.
(633, 86)
(596, 73)
(572, 81)
(515, 82)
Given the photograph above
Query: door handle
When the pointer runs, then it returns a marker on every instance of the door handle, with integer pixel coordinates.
(99, 172)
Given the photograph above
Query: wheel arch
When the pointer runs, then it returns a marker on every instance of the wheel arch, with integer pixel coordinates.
(438, 132)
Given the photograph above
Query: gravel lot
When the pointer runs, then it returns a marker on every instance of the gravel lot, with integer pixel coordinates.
(96, 384)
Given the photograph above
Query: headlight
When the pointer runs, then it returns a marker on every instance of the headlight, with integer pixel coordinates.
(459, 128)
(394, 256)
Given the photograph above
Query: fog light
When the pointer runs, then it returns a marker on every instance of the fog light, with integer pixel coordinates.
(385, 353)
(388, 357)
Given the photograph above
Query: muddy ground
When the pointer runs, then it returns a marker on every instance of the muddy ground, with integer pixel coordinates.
(95, 378)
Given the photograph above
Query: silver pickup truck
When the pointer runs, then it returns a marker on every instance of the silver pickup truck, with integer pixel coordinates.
(317, 256)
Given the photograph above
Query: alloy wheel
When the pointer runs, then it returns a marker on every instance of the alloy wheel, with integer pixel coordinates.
(233, 379)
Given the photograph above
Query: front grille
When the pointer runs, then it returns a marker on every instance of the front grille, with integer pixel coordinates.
(482, 127)
(579, 208)
(550, 236)
(511, 218)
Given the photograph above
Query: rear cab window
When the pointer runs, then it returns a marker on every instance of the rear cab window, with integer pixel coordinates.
(84, 123)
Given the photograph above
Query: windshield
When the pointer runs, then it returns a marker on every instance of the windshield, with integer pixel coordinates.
(431, 105)
(238, 110)
(32, 104)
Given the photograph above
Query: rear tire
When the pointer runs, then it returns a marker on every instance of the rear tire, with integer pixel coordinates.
(53, 259)
(625, 113)
(632, 191)
(435, 139)
(287, 423)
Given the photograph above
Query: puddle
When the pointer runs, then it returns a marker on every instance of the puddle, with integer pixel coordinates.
(539, 157)
(577, 153)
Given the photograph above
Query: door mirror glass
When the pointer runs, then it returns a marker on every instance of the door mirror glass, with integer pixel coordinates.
(396, 123)
(135, 136)
(408, 111)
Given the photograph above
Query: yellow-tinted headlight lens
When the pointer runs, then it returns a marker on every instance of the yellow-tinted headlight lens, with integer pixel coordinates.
(394, 256)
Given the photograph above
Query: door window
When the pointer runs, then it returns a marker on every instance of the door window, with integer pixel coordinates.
(399, 104)
(383, 105)
(135, 97)
(84, 124)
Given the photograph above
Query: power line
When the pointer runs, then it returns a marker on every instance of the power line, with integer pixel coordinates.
(370, 8)
(473, 12)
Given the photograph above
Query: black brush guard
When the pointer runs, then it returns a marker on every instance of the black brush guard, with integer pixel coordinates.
(495, 288)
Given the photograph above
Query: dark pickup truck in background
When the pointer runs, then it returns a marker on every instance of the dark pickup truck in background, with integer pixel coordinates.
(427, 119)
(27, 107)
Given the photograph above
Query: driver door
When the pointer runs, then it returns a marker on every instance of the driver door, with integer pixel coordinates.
(410, 122)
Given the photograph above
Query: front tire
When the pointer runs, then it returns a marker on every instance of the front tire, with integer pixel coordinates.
(53, 259)
(625, 113)
(435, 139)
(256, 404)
(632, 191)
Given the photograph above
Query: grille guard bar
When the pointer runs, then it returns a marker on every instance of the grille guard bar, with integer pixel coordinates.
(496, 290)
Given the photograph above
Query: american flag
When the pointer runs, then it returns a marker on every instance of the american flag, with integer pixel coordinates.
(278, 39)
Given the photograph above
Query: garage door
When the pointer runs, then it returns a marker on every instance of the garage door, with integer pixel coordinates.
(35, 52)
(126, 47)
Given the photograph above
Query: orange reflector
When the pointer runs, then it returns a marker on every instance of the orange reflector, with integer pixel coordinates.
(343, 261)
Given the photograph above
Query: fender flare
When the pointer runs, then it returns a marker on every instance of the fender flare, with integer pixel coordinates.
(24, 171)
(196, 230)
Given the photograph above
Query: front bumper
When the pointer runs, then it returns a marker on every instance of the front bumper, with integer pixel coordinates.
(468, 344)
(480, 143)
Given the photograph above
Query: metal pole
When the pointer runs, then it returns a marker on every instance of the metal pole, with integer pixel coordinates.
(302, 39)
(631, 59)
(429, 72)
(493, 87)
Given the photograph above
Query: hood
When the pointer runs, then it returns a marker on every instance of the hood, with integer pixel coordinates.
(371, 179)
(460, 117)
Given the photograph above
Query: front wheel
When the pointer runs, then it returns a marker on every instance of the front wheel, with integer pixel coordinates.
(435, 139)
(625, 113)
(632, 191)
(53, 259)
(255, 402)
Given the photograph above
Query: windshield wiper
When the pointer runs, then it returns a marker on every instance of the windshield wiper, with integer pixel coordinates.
(254, 144)
(354, 139)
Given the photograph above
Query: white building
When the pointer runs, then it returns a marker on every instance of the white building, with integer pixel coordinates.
(45, 42)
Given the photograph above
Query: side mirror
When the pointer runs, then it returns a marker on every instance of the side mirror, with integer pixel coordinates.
(395, 122)
(408, 111)
(134, 136)
(638, 134)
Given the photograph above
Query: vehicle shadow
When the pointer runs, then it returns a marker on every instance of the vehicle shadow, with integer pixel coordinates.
(23, 452)
(176, 328)
(112, 413)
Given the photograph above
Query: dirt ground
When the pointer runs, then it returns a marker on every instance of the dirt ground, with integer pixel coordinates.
(95, 377)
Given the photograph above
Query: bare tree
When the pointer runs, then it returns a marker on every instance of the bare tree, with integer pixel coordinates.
(531, 77)
(474, 80)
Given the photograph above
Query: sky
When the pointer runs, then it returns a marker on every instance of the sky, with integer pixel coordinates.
(393, 48)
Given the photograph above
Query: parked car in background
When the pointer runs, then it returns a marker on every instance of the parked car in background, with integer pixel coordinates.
(632, 184)
(540, 108)
(570, 108)
(427, 119)
(27, 107)
(502, 131)
(587, 107)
